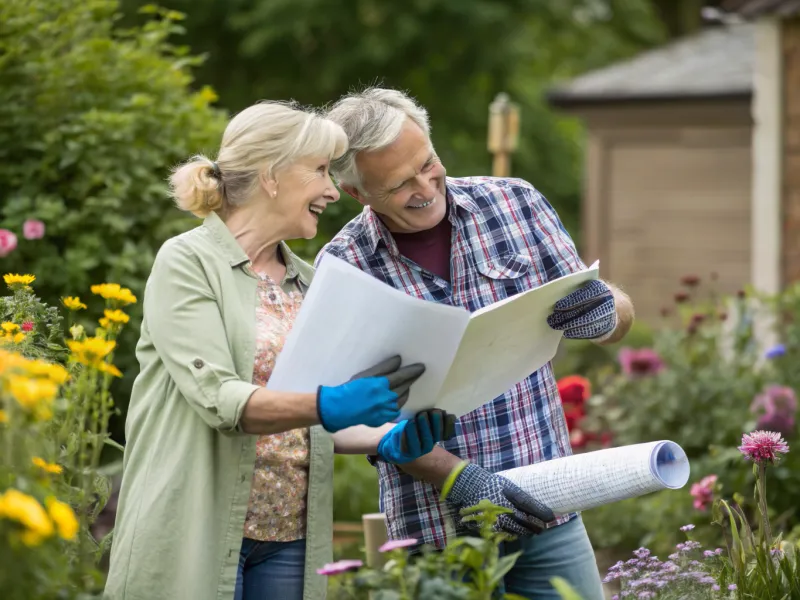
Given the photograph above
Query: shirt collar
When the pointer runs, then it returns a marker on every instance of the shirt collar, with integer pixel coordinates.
(376, 231)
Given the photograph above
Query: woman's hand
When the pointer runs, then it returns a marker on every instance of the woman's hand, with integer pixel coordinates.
(372, 397)
(416, 437)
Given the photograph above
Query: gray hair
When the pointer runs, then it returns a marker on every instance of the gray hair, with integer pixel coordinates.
(372, 119)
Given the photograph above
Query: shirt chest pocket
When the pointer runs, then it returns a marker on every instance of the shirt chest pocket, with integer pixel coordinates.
(506, 266)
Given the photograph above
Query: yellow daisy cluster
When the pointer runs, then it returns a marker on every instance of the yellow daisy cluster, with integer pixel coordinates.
(37, 523)
(114, 292)
(17, 282)
(113, 319)
(72, 303)
(46, 466)
(92, 352)
(10, 333)
(33, 384)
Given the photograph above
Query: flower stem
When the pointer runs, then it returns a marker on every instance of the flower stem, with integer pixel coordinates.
(766, 533)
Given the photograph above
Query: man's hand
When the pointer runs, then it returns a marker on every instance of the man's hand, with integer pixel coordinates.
(416, 437)
(473, 484)
(589, 313)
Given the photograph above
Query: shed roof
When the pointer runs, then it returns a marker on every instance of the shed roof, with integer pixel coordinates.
(756, 8)
(716, 63)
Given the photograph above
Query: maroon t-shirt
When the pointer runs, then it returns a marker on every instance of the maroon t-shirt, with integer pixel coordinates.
(430, 249)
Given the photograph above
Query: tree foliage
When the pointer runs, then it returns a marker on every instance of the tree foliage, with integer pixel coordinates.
(454, 56)
(92, 116)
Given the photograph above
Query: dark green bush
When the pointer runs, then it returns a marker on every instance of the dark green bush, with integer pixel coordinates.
(92, 116)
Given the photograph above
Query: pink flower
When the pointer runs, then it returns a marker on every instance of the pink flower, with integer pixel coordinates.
(339, 567)
(27, 326)
(776, 408)
(639, 363)
(703, 492)
(8, 242)
(33, 229)
(763, 446)
(395, 544)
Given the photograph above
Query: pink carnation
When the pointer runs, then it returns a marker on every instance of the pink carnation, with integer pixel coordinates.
(27, 326)
(395, 544)
(703, 492)
(641, 362)
(339, 567)
(33, 229)
(763, 446)
(8, 242)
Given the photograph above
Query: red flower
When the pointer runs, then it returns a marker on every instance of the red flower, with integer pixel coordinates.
(574, 390)
(27, 326)
(577, 439)
(690, 280)
(681, 297)
(574, 415)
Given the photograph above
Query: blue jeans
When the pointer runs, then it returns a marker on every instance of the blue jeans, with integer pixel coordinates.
(271, 570)
(564, 551)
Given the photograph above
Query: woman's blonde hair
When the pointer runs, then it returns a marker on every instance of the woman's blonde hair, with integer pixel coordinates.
(263, 137)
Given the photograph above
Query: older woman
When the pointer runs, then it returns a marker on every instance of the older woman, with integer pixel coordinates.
(226, 490)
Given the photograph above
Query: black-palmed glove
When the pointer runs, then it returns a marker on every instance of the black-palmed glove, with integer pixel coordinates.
(473, 484)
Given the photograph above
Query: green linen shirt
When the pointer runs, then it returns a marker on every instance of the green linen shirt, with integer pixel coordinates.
(188, 467)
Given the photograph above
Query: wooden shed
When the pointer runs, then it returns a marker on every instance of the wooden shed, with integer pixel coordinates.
(668, 164)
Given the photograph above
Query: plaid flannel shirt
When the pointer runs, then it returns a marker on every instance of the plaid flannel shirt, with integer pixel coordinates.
(506, 239)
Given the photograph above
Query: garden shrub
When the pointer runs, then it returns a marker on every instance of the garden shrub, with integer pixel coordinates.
(92, 117)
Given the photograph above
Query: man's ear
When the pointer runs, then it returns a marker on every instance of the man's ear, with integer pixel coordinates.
(353, 191)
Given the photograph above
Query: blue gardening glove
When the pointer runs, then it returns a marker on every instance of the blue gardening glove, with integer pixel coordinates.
(416, 437)
(372, 397)
(589, 313)
(475, 483)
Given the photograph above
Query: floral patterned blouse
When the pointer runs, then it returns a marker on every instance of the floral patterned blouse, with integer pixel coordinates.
(277, 509)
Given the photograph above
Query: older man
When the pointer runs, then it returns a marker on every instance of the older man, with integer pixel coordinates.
(470, 242)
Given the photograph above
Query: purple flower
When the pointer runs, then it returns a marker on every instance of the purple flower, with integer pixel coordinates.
(395, 544)
(763, 446)
(715, 587)
(640, 363)
(688, 527)
(709, 554)
(339, 567)
(775, 352)
(642, 553)
(732, 587)
(718, 551)
(775, 408)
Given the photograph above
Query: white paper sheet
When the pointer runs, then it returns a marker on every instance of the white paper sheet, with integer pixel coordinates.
(503, 344)
(584, 481)
(350, 321)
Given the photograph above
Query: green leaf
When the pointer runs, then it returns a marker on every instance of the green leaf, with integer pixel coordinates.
(564, 589)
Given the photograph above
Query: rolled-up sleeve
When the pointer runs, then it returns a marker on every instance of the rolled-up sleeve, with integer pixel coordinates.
(183, 319)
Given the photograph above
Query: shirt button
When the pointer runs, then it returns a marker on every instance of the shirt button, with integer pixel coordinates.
(198, 364)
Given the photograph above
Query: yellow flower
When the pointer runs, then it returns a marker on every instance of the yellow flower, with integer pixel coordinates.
(116, 316)
(91, 351)
(55, 373)
(31, 392)
(15, 281)
(26, 510)
(110, 369)
(64, 518)
(3, 416)
(10, 361)
(46, 466)
(9, 327)
(16, 338)
(73, 303)
(113, 291)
